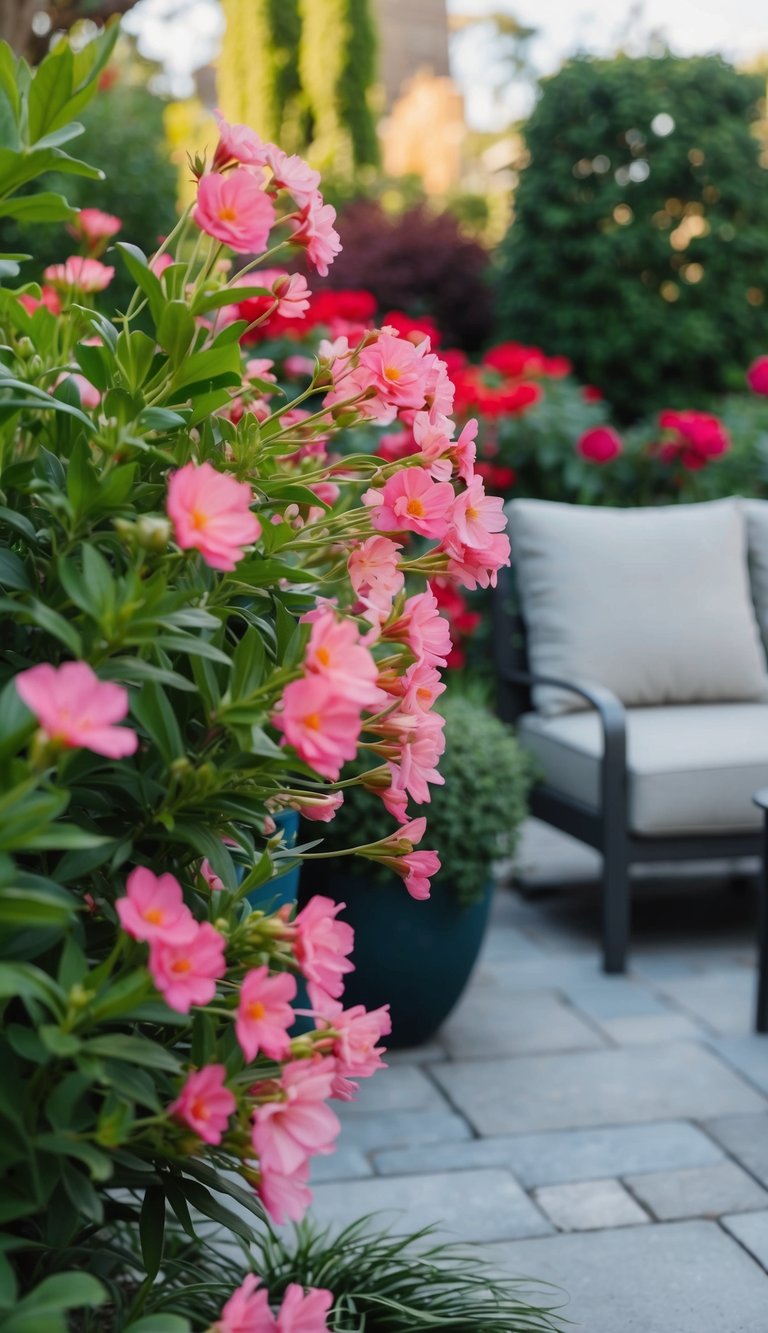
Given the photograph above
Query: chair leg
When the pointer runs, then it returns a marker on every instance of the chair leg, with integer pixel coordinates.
(761, 1016)
(616, 902)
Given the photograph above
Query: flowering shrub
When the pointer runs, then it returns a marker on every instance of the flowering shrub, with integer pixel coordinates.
(207, 615)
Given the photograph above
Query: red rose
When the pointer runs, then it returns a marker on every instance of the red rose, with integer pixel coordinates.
(601, 444)
(591, 394)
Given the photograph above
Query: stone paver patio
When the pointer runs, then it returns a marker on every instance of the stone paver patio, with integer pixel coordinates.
(605, 1134)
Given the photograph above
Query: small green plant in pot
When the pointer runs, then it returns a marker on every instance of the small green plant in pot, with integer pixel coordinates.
(472, 822)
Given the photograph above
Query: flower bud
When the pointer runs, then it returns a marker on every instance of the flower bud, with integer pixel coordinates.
(153, 533)
(25, 348)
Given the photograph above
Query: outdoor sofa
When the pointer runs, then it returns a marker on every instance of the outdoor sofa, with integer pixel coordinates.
(630, 654)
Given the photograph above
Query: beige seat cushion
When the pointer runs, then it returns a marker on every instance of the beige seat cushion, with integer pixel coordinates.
(690, 769)
(653, 603)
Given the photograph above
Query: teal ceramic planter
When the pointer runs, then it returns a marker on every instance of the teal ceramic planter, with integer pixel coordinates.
(417, 957)
(285, 889)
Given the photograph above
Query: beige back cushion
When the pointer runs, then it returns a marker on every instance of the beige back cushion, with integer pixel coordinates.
(653, 603)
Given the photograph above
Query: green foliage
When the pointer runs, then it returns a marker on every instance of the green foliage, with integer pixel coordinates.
(474, 819)
(37, 110)
(337, 62)
(641, 254)
(124, 137)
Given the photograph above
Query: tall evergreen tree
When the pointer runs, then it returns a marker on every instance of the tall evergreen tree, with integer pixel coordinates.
(258, 67)
(337, 65)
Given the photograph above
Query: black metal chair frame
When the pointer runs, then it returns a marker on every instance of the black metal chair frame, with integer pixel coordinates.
(606, 828)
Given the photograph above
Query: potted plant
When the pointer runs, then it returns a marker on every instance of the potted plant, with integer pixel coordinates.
(419, 962)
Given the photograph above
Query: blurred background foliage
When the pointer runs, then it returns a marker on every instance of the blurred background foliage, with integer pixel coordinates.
(638, 247)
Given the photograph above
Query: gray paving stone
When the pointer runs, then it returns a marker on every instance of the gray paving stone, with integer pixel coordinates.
(548, 973)
(416, 1055)
(682, 1277)
(588, 1205)
(604, 997)
(752, 1230)
(633, 1084)
(700, 1191)
(507, 944)
(650, 1028)
(401, 1129)
(746, 1138)
(724, 999)
(748, 1055)
(401, 1088)
(471, 1206)
(534, 1021)
(565, 1155)
(345, 1163)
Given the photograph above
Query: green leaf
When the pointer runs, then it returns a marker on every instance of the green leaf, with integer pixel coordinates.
(43, 207)
(159, 1323)
(248, 664)
(58, 1042)
(34, 907)
(136, 1050)
(154, 713)
(202, 368)
(13, 571)
(135, 353)
(54, 1295)
(176, 331)
(227, 296)
(135, 671)
(152, 1229)
(81, 1192)
(50, 92)
(193, 647)
(160, 419)
(205, 1203)
(31, 983)
(137, 264)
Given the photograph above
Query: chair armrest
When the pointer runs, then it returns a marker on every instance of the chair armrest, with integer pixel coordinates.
(613, 722)
(760, 798)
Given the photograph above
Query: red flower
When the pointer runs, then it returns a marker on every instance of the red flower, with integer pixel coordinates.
(413, 328)
(600, 445)
(513, 360)
(693, 437)
(591, 394)
(757, 375)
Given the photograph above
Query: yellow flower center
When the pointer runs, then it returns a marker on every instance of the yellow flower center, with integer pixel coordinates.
(256, 1009)
(392, 374)
(181, 965)
(227, 214)
(312, 721)
(323, 655)
(415, 508)
(199, 519)
(154, 915)
(472, 513)
(199, 1109)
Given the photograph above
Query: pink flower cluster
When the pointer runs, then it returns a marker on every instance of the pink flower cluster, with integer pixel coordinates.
(236, 198)
(76, 710)
(186, 958)
(248, 1310)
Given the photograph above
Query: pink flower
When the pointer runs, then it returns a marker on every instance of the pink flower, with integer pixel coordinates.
(757, 375)
(264, 1014)
(320, 723)
(214, 882)
(395, 803)
(323, 808)
(304, 1313)
(160, 262)
(374, 574)
(334, 653)
(238, 143)
(356, 1032)
(421, 867)
(153, 908)
(234, 209)
(477, 567)
(89, 394)
(397, 370)
(186, 973)
(247, 1310)
(294, 175)
(79, 274)
(412, 501)
(322, 944)
(210, 512)
(285, 1133)
(421, 687)
(601, 444)
(316, 233)
(423, 629)
(285, 1197)
(477, 515)
(204, 1104)
(77, 710)
(420, 754)
(260, 368)
(94, 226)
(397, 852)
(298, 366)
(466, 450)
(48, 298)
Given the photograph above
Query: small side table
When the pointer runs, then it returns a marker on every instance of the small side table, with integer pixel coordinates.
(760, 799)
